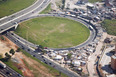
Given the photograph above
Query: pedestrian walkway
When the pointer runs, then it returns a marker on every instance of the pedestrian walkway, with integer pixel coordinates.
(92, 58)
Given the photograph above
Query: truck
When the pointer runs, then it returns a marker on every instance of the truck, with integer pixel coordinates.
(2, 64)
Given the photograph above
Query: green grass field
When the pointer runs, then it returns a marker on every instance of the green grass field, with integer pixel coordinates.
(11, 6)
(53, 32)
(92, 1)
(110, 26)
(46, 10)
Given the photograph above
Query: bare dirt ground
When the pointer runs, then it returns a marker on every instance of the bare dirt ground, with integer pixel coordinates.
(30, 67)
(5, 46)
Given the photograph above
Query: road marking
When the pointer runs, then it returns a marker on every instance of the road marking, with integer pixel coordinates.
(22, 15)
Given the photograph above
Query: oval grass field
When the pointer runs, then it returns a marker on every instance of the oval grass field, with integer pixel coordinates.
(53, 32)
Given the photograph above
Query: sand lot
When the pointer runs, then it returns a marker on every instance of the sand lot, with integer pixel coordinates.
(6, 45)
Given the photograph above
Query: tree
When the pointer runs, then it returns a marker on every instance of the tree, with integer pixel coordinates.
(18, 49)
(2, 38)
(63, 4)
(41, 47)
(7, 55)
(12, 51)
(69, 55)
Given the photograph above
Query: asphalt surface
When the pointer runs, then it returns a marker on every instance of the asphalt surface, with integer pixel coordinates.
(34, 7)
(25, 45)
(8, 69)
(23, 40)
(9, 21)
(19, 16)
(87, 24)
(43, 59)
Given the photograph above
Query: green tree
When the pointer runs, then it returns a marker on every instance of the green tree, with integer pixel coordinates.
(12, 51)
(18, 49)
(41, 47)
(7, 55)
(69, 55)
(2, 38)
(63, 4)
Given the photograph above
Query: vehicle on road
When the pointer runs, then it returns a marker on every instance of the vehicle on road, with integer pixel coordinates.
(2, 64)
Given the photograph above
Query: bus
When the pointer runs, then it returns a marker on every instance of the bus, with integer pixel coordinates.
(2, 64)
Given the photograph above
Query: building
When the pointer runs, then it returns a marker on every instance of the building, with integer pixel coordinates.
(113, 62)
(108, 4)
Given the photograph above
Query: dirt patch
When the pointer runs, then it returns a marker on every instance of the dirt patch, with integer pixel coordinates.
(111, 36)
(30, 67)
(6, 45)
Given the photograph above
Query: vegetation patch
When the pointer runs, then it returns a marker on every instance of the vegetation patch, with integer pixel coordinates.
(8, 7)
(53, 32)
(92, 1)
(45, 67)
(109, 26)
(46, 10)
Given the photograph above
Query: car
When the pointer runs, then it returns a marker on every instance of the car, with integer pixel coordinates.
(28, 49)
(39, 53)
(19, 75)
(23, 48)
(46, 63)
(42, 56)
(9, 73)
(33, 55)
(50, 63)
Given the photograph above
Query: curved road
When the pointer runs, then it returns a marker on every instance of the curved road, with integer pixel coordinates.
(34, 53)
(22, 43)
(87, 24)
(26, 14)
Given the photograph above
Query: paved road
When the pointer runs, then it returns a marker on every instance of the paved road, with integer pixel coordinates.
(23, 40)
(17, 17)
(43, 59)
(8, 69)
(24, 15)
(22, 44)
(92, 58)
(37, 6)
(87, 24)
(26, 46)
(8, 21)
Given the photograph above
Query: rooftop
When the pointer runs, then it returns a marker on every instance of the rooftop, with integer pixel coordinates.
(114, 56)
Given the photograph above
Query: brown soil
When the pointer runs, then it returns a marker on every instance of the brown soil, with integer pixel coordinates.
(28, 66)
(6, 45)
(36, 68)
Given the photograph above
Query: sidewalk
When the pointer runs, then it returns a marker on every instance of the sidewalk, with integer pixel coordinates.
(92, 58)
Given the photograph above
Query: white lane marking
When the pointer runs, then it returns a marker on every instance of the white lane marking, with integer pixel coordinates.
(21, 15)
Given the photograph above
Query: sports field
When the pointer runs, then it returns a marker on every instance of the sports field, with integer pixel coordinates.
(8, 7)
(53, 32)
